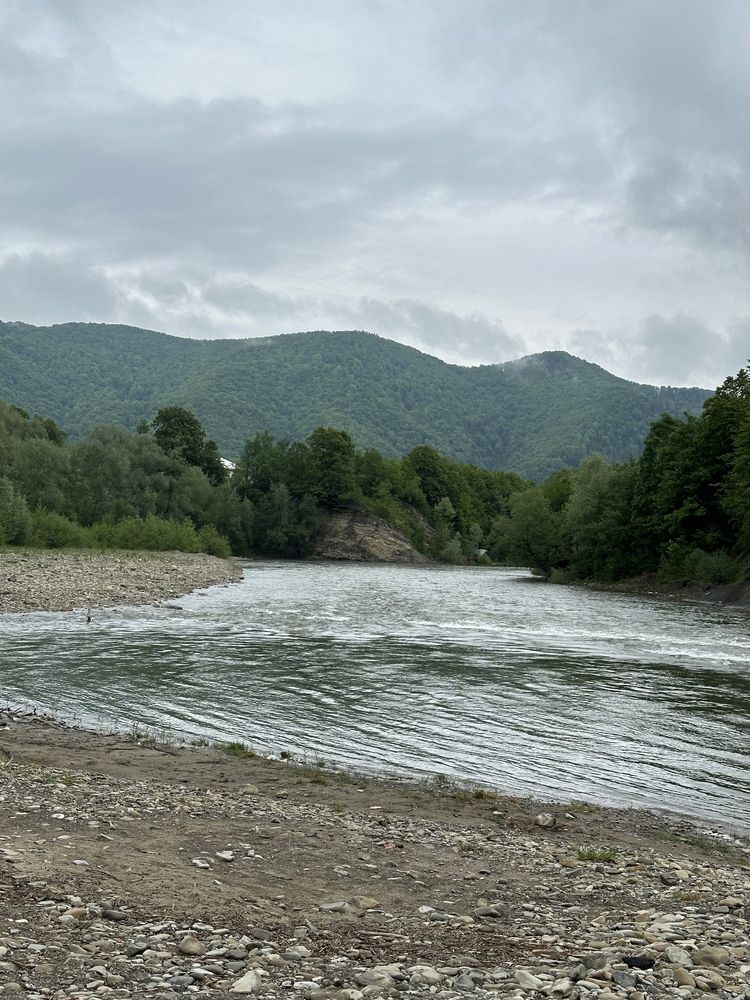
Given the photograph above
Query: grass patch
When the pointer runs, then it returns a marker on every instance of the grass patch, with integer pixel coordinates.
(236, 749)
(482, 794)
(443, 784)
(708, 845)
(200, 741)
(582, 807)
(337, 807)
(596, 854)
(313, 775)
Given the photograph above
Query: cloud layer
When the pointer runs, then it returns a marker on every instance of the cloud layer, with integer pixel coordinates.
(479, 180)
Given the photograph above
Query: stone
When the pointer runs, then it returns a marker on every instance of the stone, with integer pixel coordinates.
(225, 855)
(595, 960)
(191, 946)
(365, 903)
(546, 820)
(678, 956)
(249, 983)
(424, 975)
(710, 956)
(465, 983)
(684, 978)
(181, 980)
(393, 970)
(526, 981)
(560, 988)
(732, 902)
(371, 977)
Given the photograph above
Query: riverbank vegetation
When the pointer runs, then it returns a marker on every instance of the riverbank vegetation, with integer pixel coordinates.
(681, 512)
(165, 487)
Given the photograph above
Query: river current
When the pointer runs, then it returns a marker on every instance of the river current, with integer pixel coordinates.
(485, 675)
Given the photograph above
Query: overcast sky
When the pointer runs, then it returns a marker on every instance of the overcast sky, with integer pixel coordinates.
(481, 179)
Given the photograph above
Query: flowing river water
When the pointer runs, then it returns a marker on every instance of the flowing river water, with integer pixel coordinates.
(485, 675)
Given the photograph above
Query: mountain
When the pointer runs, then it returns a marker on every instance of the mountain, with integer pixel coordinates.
(531, 416)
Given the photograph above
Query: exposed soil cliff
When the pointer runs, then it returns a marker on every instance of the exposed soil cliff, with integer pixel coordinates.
(359, 536)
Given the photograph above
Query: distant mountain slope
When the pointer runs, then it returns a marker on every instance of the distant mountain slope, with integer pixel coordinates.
(531, 416)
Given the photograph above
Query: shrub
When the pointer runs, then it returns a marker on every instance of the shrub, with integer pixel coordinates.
(15, 519)
(53, 531)
(696, 566)
(212, 542)
(150, 532)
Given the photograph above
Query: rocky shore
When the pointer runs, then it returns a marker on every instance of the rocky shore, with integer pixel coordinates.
(130, 867)
(61, 581)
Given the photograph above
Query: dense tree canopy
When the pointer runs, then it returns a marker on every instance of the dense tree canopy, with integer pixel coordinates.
(682, 510)
(532, 416)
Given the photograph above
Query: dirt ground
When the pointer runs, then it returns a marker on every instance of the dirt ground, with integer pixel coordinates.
(306, 823)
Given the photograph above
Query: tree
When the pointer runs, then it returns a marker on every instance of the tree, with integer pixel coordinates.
(15, 520)
(332, 466)
(430, 469)
(532, 532)
(179, 433)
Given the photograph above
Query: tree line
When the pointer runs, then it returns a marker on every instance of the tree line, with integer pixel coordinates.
(681, 511)
(165, 486)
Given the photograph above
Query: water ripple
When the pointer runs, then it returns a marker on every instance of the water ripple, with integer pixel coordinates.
(484, 675)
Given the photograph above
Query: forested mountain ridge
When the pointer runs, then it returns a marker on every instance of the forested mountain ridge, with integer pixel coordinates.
(532, 416)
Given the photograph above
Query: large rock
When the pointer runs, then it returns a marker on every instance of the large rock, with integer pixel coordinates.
(711, 955)
(358, 536)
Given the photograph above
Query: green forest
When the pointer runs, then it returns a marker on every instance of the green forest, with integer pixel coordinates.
(681, 511)
(531, 416)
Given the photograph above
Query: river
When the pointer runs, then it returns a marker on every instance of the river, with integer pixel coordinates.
(485, 675)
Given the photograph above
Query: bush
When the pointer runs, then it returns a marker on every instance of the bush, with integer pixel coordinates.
(53, 531)
(680, 562)
(15, 519)
(156, 533)
(452, 552)
(212, 542)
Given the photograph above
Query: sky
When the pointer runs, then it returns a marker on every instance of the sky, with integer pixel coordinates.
(481, 180)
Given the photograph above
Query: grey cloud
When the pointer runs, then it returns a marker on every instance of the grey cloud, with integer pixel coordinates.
(470, 338)
(681, 346)
(233, 181)
(42, 288)
(250, 298)
(668, 350)
(245, 204)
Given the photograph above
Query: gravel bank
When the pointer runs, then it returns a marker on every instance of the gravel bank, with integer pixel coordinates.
(62, 581)
(130, 869)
